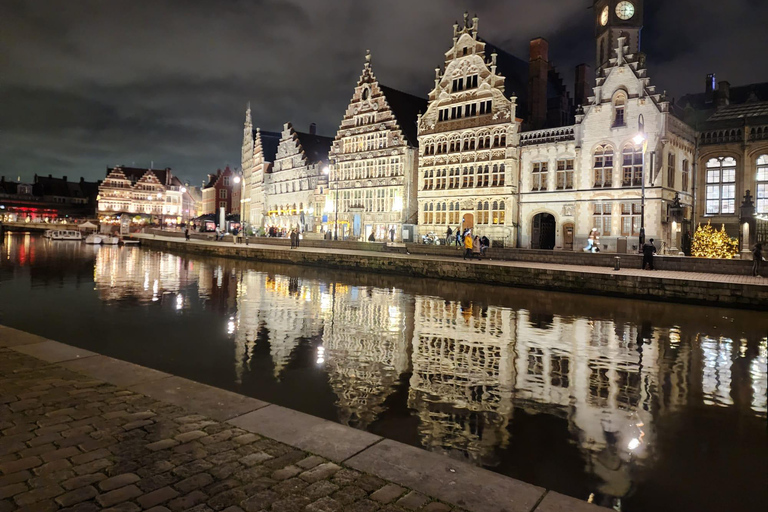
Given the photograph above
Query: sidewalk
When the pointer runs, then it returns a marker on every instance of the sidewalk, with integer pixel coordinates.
(84, 432)
(685, 276)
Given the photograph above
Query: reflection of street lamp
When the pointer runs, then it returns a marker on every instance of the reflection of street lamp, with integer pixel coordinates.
(641, 138)
(327, 172)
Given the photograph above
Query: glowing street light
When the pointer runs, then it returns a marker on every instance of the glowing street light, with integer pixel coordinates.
(641, 138)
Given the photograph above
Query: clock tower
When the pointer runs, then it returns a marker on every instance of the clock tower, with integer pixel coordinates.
(614, 18)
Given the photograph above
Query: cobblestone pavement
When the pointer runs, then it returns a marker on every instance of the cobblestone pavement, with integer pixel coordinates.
(76, 444)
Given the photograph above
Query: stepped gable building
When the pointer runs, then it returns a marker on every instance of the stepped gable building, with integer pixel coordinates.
(147, 193)
(467, 139)
(732, 156)
(259, 150)
(296, 173)
(374, 161)
(591, 174)
(223, 190)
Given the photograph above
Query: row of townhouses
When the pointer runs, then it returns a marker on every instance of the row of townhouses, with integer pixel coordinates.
(499, 145)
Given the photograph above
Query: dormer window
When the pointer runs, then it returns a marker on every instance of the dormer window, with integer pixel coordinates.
(619, 104)
(366, 93)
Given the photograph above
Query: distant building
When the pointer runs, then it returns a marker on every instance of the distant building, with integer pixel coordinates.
(147, 195)
(222, 191)
(374, 161)
(47, 199)
(297, 172)
(259, 151)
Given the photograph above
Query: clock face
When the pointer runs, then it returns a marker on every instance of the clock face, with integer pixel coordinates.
(625, 10)
(604, 16)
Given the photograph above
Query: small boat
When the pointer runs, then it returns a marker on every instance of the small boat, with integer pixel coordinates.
(48, 233)
(96, 238)
(65, 234)
(130, 242)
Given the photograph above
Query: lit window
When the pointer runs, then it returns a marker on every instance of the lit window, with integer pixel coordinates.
(632, 166)
(762, 184)
(721, 186)
(565, 174)
(619, 104)
(601, 215)
(603, 166)
(630, 218)
(539, 176)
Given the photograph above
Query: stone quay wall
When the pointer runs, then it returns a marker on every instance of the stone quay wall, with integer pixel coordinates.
(615, 284)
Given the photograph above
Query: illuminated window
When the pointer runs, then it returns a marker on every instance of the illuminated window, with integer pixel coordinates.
(630, 218)
(721, 185)
(762, 184)
(601, 215)
(603, 166)
(565, 174)
(619, 104)
(632, 166)
(539, 176)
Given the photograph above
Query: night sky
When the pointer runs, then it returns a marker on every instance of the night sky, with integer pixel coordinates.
(90, 84)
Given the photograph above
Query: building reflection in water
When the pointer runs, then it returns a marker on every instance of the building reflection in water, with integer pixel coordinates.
(472, 363)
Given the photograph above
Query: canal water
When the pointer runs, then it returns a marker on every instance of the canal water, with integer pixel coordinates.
(635, 405)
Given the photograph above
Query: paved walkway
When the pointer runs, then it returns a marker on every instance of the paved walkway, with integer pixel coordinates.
(84, 432)
(583, 269)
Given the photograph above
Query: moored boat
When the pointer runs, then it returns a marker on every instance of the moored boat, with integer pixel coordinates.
(96, 238)
(65, 234)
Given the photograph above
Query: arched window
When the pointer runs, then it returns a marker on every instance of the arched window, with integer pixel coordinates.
(762, 184)
(721, 186)
(603, 166)
(632, 166)
(619, 104)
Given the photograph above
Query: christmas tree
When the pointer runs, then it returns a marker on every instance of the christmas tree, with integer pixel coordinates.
(710, 243)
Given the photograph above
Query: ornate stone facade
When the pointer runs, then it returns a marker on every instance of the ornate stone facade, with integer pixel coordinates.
(296, 174)
(468, 143)
(152, 193)
(258, 154)
(374, 162)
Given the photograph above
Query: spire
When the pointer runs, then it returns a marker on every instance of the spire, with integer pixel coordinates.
(248, 121)
(367, 57)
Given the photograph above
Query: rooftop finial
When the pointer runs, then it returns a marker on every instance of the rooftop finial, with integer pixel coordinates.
(466, 19)
(367, 56)
(475, 19)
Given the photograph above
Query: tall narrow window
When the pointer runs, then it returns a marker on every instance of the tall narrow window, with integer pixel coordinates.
(601, 215)
(721, 185)
(603, 166)
(762, 184)
(539, 176)
(686, 175)
(619, 104)
(565, 174)
(630, 218)
(671, 170)
(632, 166)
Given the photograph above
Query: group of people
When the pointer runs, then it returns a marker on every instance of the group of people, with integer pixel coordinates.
(295, 238)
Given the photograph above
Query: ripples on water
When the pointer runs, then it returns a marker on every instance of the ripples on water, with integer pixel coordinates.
(643, 406)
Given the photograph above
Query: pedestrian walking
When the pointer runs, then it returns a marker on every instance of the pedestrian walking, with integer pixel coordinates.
(186, 233)
(391, 234)
(298, 237)
(484, 244)
(648, 251)
(468, 246)
(448, 234)
(757, 258)
(459, 239)
(476, 247)
(293, 239)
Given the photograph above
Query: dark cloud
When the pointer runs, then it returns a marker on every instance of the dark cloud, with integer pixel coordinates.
(86, 84)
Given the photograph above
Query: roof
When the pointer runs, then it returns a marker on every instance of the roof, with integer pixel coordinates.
(746, 104)
(269, 143)
(315, 147)
(406, 108)
(740, 111)
(740, 94)
(134, 174)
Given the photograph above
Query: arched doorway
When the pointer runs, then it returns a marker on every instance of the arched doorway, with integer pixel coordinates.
(543, 231)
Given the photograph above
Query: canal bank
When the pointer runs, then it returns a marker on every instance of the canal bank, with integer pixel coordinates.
(686, 287)
(81, 429)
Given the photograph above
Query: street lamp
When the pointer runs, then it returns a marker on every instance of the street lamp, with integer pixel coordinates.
(641, 138)
(327, 172)
(183, 191)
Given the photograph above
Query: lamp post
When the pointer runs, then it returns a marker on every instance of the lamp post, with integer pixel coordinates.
(162, 211)
(183, 191)
(641, 138)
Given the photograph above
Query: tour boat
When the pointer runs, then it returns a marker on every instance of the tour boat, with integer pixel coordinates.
(96, 238)
(65, 234)
(48, 233)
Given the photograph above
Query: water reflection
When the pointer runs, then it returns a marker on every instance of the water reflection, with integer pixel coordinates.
(589, 396)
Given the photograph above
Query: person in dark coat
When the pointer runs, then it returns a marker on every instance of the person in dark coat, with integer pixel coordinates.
(391, 234)
(371, 238)
(757, 258)
(293, 239)
(186, 233)
(648, 251)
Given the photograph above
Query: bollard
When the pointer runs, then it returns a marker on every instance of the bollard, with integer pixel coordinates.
(617, 263)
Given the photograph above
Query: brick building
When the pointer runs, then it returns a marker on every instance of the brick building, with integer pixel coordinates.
(222, 190)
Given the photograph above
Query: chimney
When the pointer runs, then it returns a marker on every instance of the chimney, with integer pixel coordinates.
(312, 129)
(82, 180)
(723, 93)
(538, 69)
(50, 176)
(709, 91)
(581, 94)
(65, 179)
